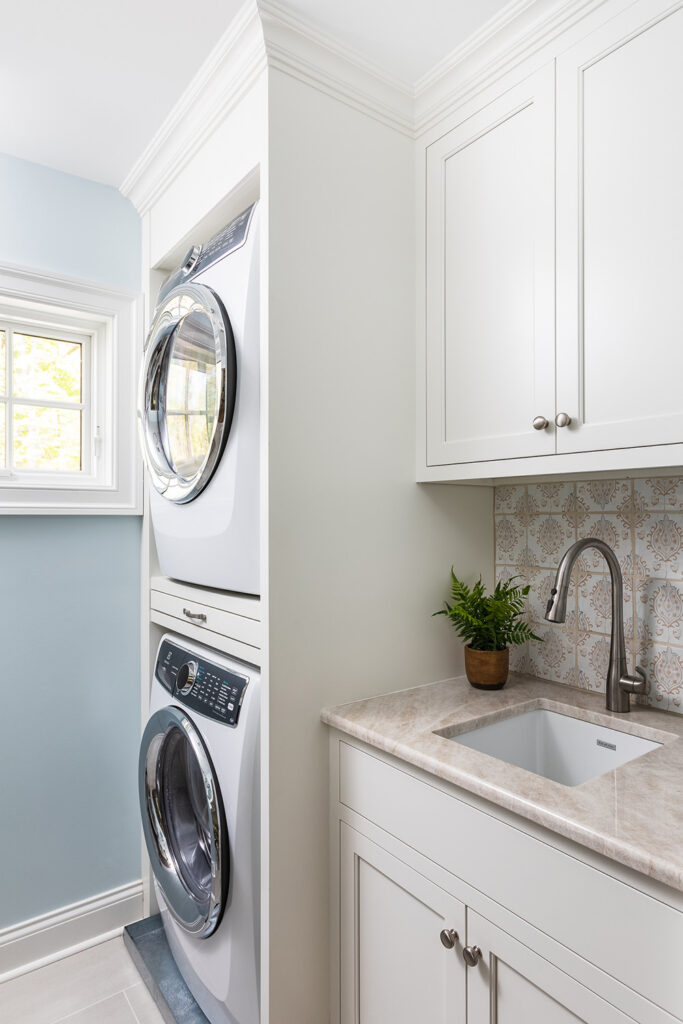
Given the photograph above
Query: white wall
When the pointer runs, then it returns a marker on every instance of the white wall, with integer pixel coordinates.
(359, 553)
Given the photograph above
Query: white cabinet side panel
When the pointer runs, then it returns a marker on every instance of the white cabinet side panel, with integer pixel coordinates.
(348, 525)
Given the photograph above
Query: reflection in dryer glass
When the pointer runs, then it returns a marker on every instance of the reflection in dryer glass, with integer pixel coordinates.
(191, 388)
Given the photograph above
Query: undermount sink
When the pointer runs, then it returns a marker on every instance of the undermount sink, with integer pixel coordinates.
(558, 747)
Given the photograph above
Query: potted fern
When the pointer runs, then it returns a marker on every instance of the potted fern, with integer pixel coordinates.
(488, 624)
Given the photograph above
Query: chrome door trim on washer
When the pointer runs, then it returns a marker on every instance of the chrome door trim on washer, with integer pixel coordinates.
(198, 912)
(180, 303)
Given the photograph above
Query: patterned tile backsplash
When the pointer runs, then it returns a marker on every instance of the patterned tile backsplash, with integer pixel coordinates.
(643, 521)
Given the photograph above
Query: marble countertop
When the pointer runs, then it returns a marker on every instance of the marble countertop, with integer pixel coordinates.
(632, 814)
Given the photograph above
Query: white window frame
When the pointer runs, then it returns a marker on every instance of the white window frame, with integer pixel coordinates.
(108, 324)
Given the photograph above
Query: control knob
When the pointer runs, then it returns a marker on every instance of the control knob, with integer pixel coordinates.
(187, 674)
(191, 258)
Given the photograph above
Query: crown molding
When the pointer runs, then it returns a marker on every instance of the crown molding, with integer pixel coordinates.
(266, 34)
(230, 70)
(295, 46)
(513, 36)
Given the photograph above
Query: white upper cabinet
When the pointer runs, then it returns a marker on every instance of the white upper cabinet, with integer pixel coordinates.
(554, 261)
(620, 233)
(490, 267)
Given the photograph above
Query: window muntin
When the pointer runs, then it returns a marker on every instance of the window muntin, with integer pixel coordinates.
(45, 401)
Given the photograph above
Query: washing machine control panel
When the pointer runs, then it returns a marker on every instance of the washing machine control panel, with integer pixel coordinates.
(201, 685)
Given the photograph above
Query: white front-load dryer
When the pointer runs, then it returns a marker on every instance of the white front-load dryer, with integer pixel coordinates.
(198, 413)
(199, 801)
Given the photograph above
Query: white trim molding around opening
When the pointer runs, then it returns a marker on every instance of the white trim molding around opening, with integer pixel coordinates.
(107, 325)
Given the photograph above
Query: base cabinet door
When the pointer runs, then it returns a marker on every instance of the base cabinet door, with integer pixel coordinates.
(395, 968)
(511, 984)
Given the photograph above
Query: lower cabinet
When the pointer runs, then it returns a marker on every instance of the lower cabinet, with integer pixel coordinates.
(395, 968)
(410, 952)
(511, 984)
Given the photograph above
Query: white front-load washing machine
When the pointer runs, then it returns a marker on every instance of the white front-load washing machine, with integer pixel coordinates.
(198, 413)
(199, 800)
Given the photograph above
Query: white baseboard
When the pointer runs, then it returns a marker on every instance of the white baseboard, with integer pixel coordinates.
(34, 943)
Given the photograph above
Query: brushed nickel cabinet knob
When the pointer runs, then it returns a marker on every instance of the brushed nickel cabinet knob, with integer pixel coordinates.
(471, 955)
(448, 937)
(562, 420)
(540, 423)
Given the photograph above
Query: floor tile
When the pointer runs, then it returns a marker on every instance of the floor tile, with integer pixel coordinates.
(143, 1005)
(114, 1010)
(51, 993)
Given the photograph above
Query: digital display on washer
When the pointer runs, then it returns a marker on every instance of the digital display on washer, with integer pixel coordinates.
(201, 685)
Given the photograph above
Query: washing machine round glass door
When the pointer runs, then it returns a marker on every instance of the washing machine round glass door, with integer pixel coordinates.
(187, 391)
(184, 821)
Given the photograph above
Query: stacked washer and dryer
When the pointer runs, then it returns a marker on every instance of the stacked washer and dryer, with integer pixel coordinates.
(199, 768)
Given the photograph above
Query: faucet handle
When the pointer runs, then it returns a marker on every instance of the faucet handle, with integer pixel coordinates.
(637, 683)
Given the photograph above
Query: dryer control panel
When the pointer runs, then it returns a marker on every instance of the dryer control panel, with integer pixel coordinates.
(205, 687)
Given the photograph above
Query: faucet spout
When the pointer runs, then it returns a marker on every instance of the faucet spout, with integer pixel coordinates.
(619, 684)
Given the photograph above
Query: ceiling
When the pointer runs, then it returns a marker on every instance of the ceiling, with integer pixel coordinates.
(405, 37)
(86, 85)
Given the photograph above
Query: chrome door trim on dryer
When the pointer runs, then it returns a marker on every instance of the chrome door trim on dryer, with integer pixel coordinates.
(178, 308)
(175, 844)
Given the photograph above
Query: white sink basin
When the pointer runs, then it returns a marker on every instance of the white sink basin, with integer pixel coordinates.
(567, 750)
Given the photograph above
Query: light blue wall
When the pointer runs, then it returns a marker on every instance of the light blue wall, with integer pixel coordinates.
(54, 221)
(69, 610)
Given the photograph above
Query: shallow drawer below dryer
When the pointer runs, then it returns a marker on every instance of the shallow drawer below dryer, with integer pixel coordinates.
(227, 622)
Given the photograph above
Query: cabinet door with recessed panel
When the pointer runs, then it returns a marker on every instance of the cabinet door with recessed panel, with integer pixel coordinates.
(490, 310)
(401, 941)
(620, 233)
(508, 983)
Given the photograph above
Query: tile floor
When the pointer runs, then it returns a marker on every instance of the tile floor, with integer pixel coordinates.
(98, 986)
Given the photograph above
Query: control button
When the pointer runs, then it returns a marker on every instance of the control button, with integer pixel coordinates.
(187, 675)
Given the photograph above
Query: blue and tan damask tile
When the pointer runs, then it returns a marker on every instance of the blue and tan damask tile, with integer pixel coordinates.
(659, 543)
(664, 666)
(593, 661)
(549, 536)
(603, 495)
(510, 540)
(607, 527)
(507, 497)
(661, 494)
(550, 497)
(555, 657)
(660, 606)
(595, 603)
(643, 521)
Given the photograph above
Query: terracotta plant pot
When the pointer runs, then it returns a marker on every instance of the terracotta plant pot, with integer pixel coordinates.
(487, 670)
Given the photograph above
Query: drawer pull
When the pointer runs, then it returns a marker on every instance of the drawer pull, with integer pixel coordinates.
(196, 616)
(448, 937)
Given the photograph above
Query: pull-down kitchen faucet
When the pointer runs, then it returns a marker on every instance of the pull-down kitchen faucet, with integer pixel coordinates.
(619, 683)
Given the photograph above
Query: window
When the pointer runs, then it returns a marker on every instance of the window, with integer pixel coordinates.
(67, 397)
(45, 400)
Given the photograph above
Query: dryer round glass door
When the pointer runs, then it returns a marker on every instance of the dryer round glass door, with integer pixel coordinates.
(184, 821)
(187, 391)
